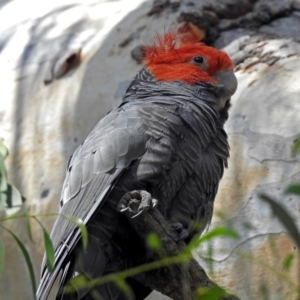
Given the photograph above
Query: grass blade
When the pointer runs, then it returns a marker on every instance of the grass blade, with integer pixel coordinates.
(124, 287)
(293, 189)
(216, 232)
(213, 293)
(82, 228)
(288, 262)
(153, 241)
(49, 249)
(27, 259)
(28, 228)
(296, 146)
(284, 217)
(1, 256)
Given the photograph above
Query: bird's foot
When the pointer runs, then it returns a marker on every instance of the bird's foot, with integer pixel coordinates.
(136, 202)
(182, 233)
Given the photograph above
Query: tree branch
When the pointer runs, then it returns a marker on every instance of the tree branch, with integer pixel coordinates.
(179, 281)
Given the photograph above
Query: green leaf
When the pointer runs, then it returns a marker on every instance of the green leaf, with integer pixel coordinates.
(3, 175)
(153, 241)
(3, 150)
(82, 227)
(9, 196)
(27, 259)
(1, 256)
(221, 231)
(77, 283)
(214, 293)
(49, 249)
(124, 287)
(296, 146)
(96, 295)
(209, 259)
(248, 225)
(23, 199)
(288, 262)
(284, 217)
(293, 189)
(28, 228)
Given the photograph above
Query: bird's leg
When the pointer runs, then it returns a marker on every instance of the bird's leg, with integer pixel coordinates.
(139, 201)
(136, 202)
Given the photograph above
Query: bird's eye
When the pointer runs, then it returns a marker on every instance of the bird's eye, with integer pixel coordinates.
(199, 59)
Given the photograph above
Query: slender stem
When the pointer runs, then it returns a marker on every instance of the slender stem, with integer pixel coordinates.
(26, 215)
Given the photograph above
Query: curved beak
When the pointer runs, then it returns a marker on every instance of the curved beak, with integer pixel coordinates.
(227, 83)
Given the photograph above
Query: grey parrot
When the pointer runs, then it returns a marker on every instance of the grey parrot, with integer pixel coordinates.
(167, 138)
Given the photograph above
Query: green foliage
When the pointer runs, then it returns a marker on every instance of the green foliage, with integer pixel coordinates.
(283, 276)
(28, 228)
(214, 293)
(82, 282)
(296, 146)
(221, 231)
(288, 262)
(153, 241)
(288, 223)
(11, 201)
(1, 256)
(293, 189)
(27, 259)
(284, 217)
(82, 228)
(49, 250)
(10, 198)
(3, 150)
(121, 283)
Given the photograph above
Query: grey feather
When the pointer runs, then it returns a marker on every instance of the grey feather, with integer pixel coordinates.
(166, 138)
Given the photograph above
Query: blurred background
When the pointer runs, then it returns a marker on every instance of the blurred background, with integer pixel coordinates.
(64, 64)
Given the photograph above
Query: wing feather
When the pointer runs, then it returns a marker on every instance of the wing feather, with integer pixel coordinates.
(93, 170)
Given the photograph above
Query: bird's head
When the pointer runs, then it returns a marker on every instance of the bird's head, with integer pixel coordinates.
(180, 56)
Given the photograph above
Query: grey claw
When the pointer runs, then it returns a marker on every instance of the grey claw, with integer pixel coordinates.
(154, 202)
(177, 226)
(124, 209)
(183, 235)
(136, 202)
(140, 212)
